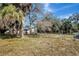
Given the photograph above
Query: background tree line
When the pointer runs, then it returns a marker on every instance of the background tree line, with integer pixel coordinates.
(52, 24)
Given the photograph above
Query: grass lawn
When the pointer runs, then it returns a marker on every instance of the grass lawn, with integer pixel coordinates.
(43, 44)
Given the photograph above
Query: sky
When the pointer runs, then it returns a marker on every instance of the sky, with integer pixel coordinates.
(62, 10)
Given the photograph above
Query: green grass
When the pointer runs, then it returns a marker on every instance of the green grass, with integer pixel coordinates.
(43, 44)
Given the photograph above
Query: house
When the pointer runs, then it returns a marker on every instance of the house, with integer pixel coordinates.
(33, 31)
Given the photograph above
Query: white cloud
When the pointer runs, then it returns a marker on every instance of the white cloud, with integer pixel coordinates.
(50, 10)
(47, 8)
(65, 7)
(65, 16)
(46, 5)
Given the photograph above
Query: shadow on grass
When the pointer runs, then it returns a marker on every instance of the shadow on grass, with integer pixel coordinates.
(4, 36)
(8, 36)
(33, 35)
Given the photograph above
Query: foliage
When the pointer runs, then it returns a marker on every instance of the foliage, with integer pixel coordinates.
(11, 17)
(64, 26)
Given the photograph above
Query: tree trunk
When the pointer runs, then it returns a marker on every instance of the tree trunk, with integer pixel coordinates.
(21, 30)
(11, 31)
(30, 28)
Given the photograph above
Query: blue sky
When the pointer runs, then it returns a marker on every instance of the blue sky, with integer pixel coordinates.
(62, 10)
